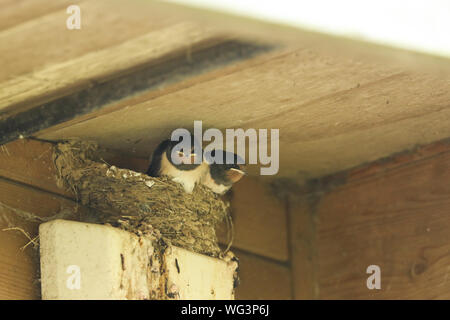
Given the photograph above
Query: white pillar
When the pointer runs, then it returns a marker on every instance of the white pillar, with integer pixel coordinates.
(91, 261)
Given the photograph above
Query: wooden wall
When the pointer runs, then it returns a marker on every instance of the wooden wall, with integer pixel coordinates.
(132, 74)
(393, 213)
(260, 242)
(354, 102)
(28, 196)
(28, 189)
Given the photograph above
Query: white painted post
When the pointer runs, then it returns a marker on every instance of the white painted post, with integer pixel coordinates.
(90, 261)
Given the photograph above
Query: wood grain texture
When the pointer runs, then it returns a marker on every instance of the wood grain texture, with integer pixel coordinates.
(29, 195)
(324, 103)
(259, 220)
(71, 75)
(25, 208)
(45, 40)
(18, 276)
(15, 12)
(395, 216)
(262, 279)
(303, 246)
(97, 94)
(25, 204)
(71, 79)
(323, 106)
(342, 47)
(30, 162)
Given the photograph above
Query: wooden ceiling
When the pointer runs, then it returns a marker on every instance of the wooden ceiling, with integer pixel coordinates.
(337, 103)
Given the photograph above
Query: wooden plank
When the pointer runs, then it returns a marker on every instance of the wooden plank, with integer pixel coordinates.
(30, 162)
(48, 81)
(86, 70)
(34, 205)
(262, 279)
(45, 40)
(324, 103)
(114, 265)
(342, 47)
(92, 92)
(323, 107)
(259, 220)
(183, 84)
(14, 12)
(23, 207)
(17, 280)
(303, 246)
(394, 216)
(273, 278)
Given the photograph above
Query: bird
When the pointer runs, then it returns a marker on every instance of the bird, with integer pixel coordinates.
(187, 172)
(221, 176)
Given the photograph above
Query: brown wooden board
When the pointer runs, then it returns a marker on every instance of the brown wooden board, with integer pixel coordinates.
(13, 12)
(30, 162)
(262, 279)
(25, 204)
(335, 108)
(393, 214)
(91, 93)
(25, 208)
(332, 114)
(259, 220)
(43, 39)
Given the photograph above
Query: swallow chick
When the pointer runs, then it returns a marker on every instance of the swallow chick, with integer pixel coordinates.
(180, 165)
(220, 177)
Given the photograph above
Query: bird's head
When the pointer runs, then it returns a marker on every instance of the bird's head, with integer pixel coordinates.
(223, 172)
(184, 154)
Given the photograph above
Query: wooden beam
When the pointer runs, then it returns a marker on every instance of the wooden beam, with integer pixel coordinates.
(324, 103)
(15, 12)
(393, 214)
(22, 209)
(117, 264)
(85, 70)
(332, 114)
(30, 162)
(19, 278)
(262, 279)
(341, 47)
(72, 75)
(259, 220)
(43, 39)
(91, 91)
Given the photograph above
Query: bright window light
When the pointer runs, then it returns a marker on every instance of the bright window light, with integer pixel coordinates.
(420, 25)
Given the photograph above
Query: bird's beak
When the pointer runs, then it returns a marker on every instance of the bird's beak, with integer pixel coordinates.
(240, 171)
(190, 159)
(235, 174)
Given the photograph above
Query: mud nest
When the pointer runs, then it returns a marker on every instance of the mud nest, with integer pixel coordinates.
(139, 203)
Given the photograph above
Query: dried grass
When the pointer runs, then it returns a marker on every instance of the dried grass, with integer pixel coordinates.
(139, 203)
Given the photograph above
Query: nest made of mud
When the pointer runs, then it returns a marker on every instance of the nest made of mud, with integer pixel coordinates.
(139, 203)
